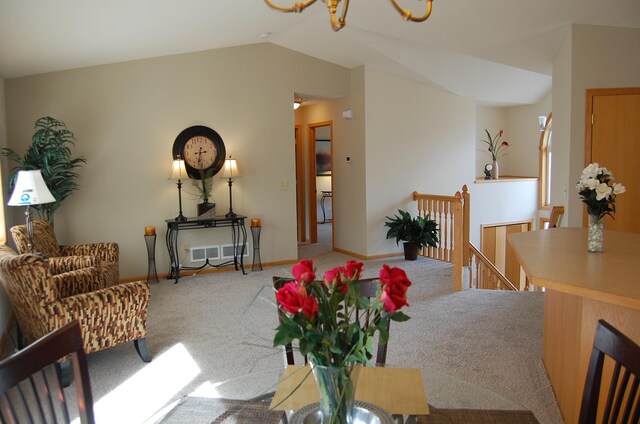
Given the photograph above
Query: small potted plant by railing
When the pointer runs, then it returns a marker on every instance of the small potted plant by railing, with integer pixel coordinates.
(416, 232)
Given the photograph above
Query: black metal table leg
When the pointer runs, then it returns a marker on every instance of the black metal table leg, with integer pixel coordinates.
(238, 234)
(244, 245)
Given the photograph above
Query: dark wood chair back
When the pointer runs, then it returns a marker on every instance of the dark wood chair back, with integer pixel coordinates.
(368, 288)
(623, 399)
(31, 381)
(556, 216)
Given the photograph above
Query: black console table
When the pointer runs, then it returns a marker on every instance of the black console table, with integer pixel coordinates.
(238, 237)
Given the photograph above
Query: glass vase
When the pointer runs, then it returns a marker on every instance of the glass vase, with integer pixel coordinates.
(595, 234)
(337, 390)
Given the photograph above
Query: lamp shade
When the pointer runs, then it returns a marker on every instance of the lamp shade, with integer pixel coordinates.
(178, 171)
(30, 189)
(230, 169)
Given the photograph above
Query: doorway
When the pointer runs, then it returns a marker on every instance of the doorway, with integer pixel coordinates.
(319, 179)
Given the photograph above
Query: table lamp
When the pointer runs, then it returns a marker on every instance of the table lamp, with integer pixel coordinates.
(30, 189)
(179, 172)
(230, 171)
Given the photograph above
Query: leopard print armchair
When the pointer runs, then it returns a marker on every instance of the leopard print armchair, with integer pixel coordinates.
(103, 256)
(43, 302)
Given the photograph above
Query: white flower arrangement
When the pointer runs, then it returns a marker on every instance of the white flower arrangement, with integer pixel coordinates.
(598, 191)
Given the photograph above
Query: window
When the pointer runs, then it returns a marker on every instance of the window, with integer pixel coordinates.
(544, 189)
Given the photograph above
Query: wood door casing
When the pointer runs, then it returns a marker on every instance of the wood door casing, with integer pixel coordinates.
(613, 141)
(300, 201)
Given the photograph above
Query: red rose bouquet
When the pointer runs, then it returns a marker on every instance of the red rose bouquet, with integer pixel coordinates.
(321, 315)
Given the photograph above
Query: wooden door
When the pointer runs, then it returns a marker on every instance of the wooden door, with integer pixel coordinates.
(613, 141)
(495, 247)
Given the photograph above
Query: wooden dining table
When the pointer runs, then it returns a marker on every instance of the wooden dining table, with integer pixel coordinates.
(580, 288)
(399, 391)
(263, 398)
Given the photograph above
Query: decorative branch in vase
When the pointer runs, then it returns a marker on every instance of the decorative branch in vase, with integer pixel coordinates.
(598, 191)
(496, 149)
(204, 186)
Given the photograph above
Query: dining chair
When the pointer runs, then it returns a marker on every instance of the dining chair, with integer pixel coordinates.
(31, 386)
(556, 216)
(623, 398)
(368, 288)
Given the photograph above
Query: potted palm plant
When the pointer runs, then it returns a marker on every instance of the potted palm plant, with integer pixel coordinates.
(49, 152)
(416, 232)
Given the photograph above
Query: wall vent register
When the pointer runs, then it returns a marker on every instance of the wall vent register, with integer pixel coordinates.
(227, 251)
(201, 254)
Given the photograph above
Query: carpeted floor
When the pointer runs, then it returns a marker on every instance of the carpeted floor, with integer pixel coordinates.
(214, 327)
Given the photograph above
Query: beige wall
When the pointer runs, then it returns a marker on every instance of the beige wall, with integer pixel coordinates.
(521, 130)
(417, 138)
(524, 137)
(403, 137)
(561, 105)
(591, 57)
(348, 178)
(493, 119)
(126, 117)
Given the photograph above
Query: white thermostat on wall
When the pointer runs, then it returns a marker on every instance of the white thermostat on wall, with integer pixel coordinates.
(347, 114)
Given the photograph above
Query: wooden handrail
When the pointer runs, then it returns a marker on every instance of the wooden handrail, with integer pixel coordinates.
(487, 276)
(451, 213)
(466, 216)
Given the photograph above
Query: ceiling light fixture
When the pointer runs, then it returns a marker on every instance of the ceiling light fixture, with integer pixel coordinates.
(339, 23)
(296, 104)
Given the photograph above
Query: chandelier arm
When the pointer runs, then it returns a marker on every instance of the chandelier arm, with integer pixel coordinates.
(343, 17)
(408, 16)
(297, 7)
(337, 23)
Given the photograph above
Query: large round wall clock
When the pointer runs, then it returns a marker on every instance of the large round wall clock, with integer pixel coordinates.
(202, 149)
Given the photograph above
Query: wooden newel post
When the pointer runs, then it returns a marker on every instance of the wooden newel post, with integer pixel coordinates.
(466, 216)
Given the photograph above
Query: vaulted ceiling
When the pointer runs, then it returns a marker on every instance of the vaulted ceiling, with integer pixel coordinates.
(496, 51)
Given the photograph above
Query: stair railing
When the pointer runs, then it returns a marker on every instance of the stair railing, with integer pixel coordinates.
(484, 275)
(451, 213)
